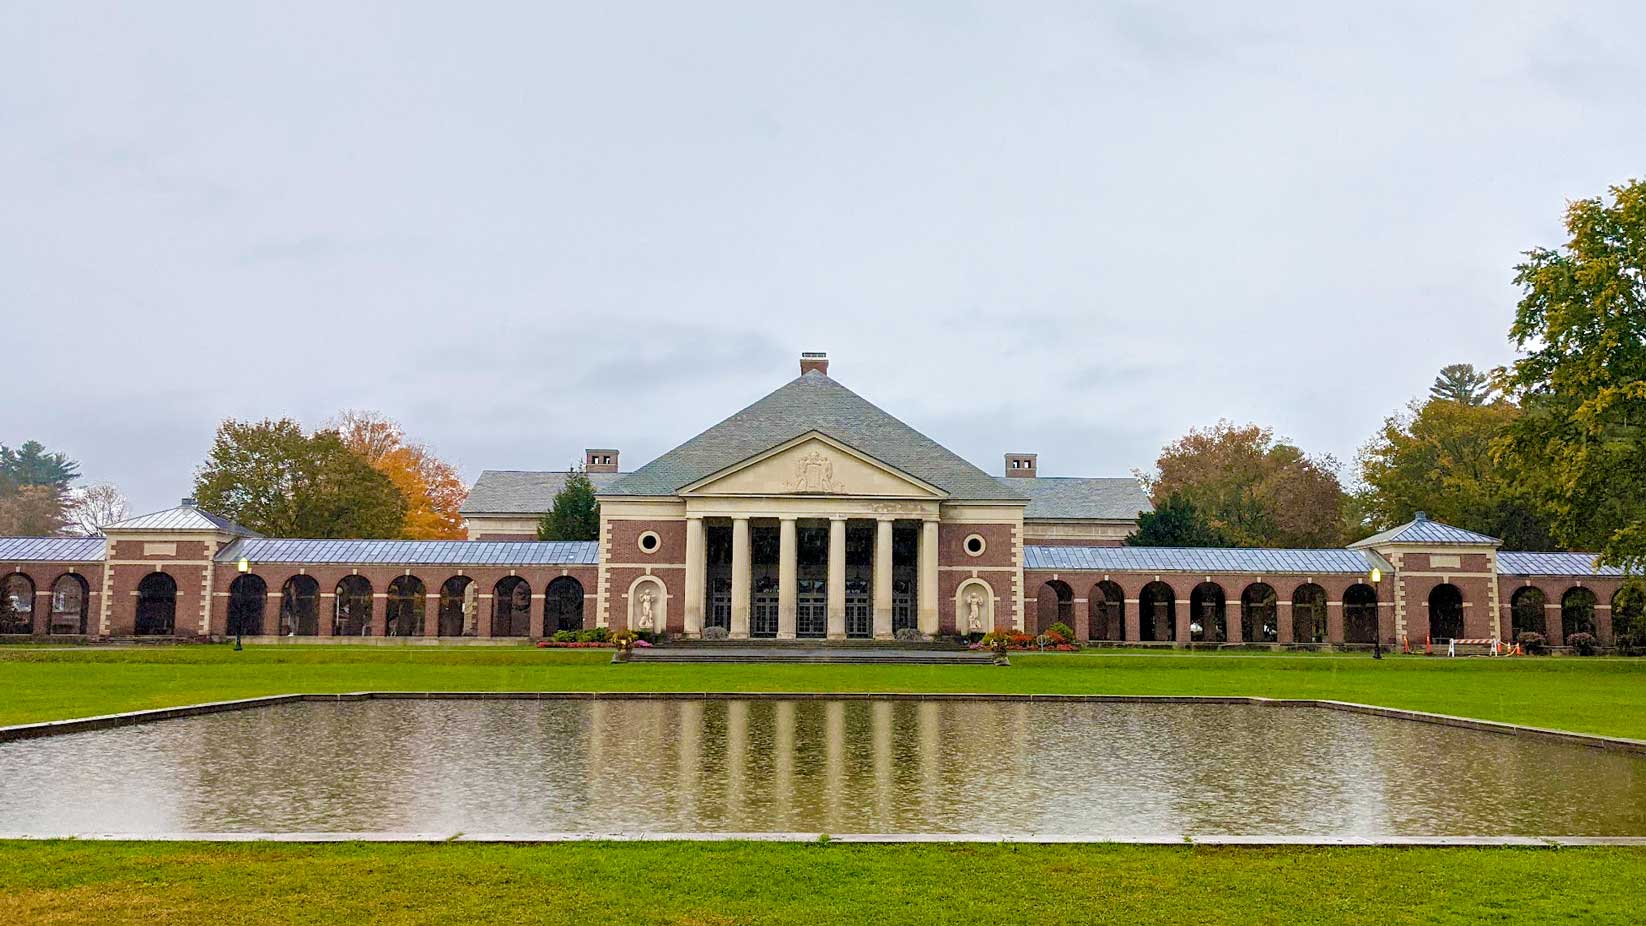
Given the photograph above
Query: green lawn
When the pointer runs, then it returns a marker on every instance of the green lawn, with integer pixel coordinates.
(1605, 696)
(724, 883)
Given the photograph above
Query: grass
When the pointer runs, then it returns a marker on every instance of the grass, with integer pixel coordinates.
(1603, 696)
(726, 883)
(751, 883)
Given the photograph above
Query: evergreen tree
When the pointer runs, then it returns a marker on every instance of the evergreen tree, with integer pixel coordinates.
(1461, 383)
(575, 514)
(1175, 522)
(31, 465)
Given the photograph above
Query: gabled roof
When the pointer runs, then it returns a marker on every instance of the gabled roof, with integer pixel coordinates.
(1105, 498)
(52, 549)
(181, 518)
(1515, 563)
(515, 491)
(1204, 560)
(813, 402)
(1422, 530)
(414, 552)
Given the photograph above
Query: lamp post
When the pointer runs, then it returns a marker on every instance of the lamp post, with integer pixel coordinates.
(1377, 617)
(244, 566)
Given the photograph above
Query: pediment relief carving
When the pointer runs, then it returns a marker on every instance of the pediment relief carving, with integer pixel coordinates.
(814, 466)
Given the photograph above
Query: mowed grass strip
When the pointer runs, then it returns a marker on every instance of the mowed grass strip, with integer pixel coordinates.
(756, 883)
(1602, 696)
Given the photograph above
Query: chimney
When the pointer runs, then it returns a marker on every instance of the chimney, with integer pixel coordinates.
(600, 461)
(814, 360)
(188, 501)
(1020, 465)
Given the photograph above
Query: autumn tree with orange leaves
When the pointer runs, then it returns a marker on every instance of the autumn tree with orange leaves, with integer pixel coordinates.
(430, 486)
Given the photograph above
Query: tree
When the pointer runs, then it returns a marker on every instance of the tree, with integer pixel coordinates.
(97, 506)
(1461, 383)
(1579, 447)
(433, 491)
(1175, 522)
(1440, 457)
(31, 465)
(33, 511)
(575, 514)
(277, 480)
(1253, 489)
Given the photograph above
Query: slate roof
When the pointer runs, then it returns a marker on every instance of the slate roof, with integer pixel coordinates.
(181, 518)
(516, 491)
(52, 549)
(1552, 564)
(813, 402)
(1204, 560)
(1052, 497)
(414, 552)
(1422, 530)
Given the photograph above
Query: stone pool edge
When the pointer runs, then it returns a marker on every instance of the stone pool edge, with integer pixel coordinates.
(1187, 840)
(129, 718)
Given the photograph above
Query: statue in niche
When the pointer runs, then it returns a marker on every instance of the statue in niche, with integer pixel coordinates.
(814, 472)
(974, 606)
(646, 608)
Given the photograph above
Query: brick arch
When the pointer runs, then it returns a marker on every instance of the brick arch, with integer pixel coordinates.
(1158, 615)
(1054, 603)
(1106, 611)
(17, 594)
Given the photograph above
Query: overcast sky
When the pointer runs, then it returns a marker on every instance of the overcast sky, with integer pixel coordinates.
(524, 229)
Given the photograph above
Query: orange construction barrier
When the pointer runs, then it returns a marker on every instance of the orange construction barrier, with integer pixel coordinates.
(1428, 646)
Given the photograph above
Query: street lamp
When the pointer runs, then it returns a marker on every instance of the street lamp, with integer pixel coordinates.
(244, 566)
(1377, 621)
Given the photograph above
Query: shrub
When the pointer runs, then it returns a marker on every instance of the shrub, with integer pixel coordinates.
(909, 635)
(594, 635)
(1583, 644)
(565, 636)
(1060, 629)
(1532, 642)
(1019, 640)
(716, 633)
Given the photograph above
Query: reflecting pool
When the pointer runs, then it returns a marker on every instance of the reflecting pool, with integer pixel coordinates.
(1095, 770)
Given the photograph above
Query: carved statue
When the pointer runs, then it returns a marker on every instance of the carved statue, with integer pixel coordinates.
(974, 620)
(814, 472)
(646, 608)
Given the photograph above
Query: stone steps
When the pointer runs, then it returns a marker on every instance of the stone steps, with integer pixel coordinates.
(752, 655)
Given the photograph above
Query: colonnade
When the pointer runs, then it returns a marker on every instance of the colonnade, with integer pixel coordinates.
(696, 585)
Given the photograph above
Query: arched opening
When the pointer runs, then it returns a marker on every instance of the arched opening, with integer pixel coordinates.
(16, 604)
(458, 605)
(563, 605)
(300, 607)
(1309, 614)
(403, 608)
(1107, 604)
(511, 607)
(1259, 614)
(247, 596)
(1054, 604)
(69, 596)
(1207, 610)
(1629, 619)
(1577, 612)
(1445, 612)
(1526, 612)
(351, 608)
(1360, 614)
(156, 605)
(1157, 613)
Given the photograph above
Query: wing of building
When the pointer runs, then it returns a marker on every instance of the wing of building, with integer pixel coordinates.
(811, 513)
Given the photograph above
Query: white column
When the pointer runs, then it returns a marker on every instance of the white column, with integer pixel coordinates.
(837, 578)
(787, 578)
(740, 578)
(694, 577)
(928, 578)
(883, 579)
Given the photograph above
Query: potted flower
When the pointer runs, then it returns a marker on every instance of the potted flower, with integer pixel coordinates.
(624, 640)
(998, 643)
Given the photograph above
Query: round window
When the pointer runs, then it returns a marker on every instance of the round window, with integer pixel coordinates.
(975, 545)
(649, 542)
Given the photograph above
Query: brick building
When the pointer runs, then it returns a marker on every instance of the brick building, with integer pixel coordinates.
(811, 513)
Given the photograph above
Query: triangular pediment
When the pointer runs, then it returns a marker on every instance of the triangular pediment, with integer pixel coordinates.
(813, 464)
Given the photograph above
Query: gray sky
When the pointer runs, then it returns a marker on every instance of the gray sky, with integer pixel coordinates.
(523, 229)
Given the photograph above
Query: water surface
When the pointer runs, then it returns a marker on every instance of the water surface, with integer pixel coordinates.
(1096, 770)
